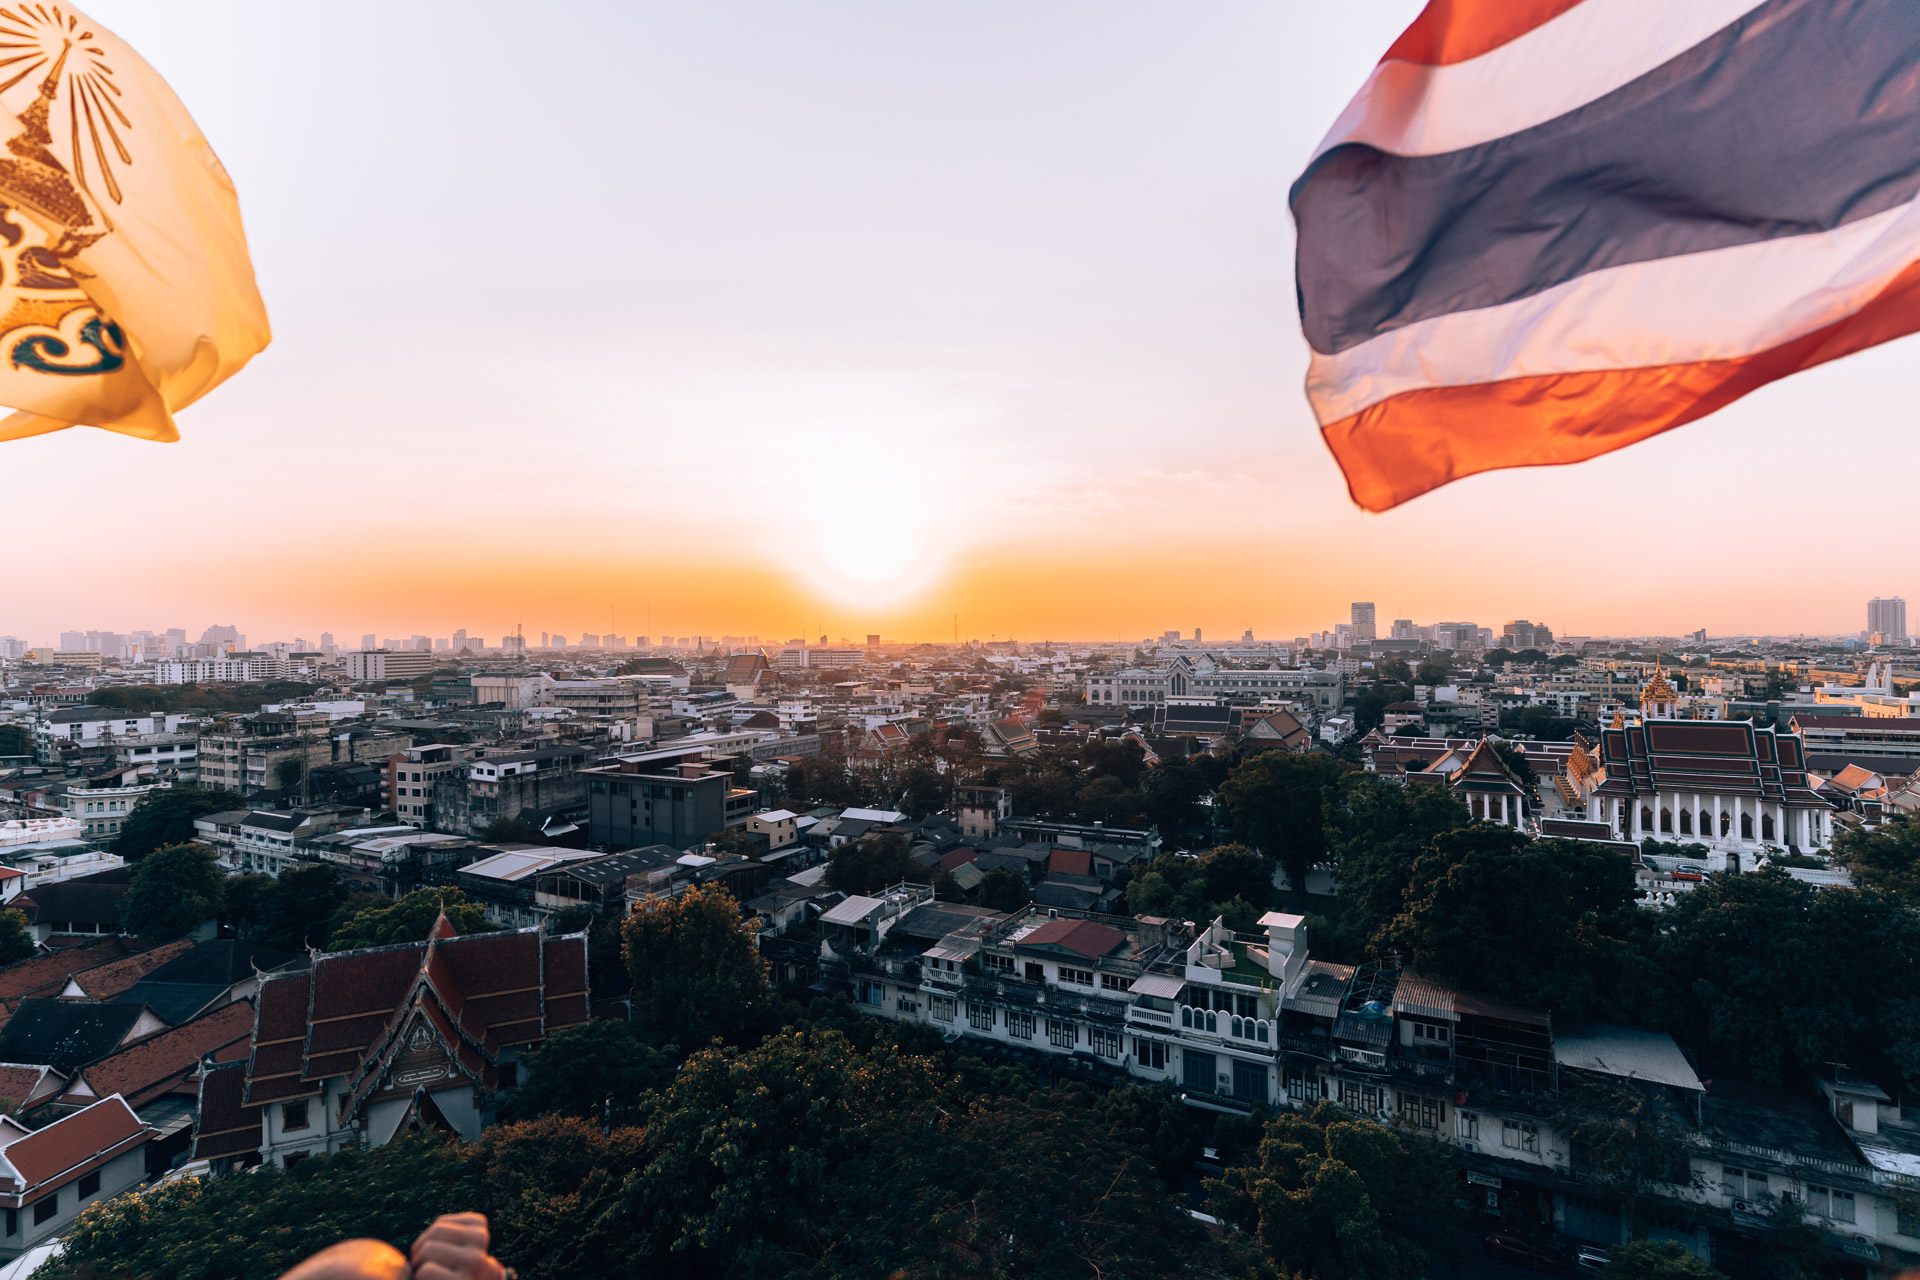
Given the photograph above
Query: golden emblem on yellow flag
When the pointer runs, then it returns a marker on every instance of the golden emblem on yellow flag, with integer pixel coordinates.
(126, 292)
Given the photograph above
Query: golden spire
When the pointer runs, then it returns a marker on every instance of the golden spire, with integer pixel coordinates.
(33, 178)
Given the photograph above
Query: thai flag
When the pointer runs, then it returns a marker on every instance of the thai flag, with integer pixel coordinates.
(1546, 229)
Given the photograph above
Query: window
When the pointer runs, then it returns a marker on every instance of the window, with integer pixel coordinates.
(942, 1008)
(1299, 1086)
(13, 1222)
(1150, 1053)
(1421, 1031)
(980, 1016)
(1468, 1126)
(1020, 1024)
(906, 1004)
(1036, 972)
(293, 1115)
(45, 1209)
(1104, 1043)
(1742, 1184)
(1829, 1203)
(1112, 982)
(1519, 1135)
(1079, 977)
(1906, 1217)
(996, 964)
(90, 1184)
(1062, 1034)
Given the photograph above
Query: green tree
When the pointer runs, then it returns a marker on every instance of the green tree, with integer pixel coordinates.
(696, 968)
(1118, 758)
(874, 862)
(1564, 950)
(262, 1224)
(1370, 708)
(1275, 800)
(1393, 671)
(1376, 830)
(599, 1070)
(1628, 1139)
(16, 937)
(165, 817)
(294, 911)
(550, 1189)
(1433, 671)
(289, 773)
(1884, 857)
(408, 919)
(1333, 1197)
(1782, 979)
(1107, 799)
(742, 1144)
(1171, 792)
(174, 891)
(923, 790)
(1001, 890)
(1657, 1260)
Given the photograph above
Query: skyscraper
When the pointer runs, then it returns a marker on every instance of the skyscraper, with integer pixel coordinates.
(1363, 622)
(1887, 619)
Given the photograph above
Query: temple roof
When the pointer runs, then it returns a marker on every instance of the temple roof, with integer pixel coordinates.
(479, 994)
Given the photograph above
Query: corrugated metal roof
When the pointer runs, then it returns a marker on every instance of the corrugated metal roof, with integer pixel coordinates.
(1161, 985)
(854, 910)
(1625, 1051)
(1424, 998)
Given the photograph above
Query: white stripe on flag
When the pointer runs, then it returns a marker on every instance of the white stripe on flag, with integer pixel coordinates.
(1718, 305)
(1408, 109)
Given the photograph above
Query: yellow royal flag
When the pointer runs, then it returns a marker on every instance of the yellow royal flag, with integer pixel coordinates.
(126, 292)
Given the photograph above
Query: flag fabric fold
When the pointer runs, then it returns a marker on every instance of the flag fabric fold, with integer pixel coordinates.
(126, 290)
(1547, 229)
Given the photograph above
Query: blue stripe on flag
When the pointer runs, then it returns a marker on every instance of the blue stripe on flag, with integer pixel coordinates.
(1801, 116)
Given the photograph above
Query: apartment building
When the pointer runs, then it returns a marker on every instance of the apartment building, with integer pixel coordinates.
(1240, 1021)
(665, 797)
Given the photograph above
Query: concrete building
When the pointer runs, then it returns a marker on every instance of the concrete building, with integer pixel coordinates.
(666, 798)
(1887, 620)
(509, 785)
(389, 664)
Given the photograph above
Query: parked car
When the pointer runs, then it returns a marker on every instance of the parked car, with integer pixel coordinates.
(1690, 869)
(1590, 1258)
(1511, 1247)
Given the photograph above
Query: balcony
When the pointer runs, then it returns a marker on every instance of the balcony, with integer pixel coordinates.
(1149, 1018)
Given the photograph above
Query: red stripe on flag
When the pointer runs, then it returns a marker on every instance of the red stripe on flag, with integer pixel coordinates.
(1456, 30)
(1414, 443)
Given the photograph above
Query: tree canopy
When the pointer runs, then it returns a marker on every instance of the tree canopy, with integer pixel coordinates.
(408, 919)
(1335, 1197)
(872, 863)
(696, 969)
(1274, 801)
(1542, 922)
(174, 891)
(292, 911)
(165, 816)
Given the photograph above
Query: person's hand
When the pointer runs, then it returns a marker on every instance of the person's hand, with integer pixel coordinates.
(353, 1260)
(455, 1248)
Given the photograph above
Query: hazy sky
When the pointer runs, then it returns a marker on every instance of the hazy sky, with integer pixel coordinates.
(777, 318)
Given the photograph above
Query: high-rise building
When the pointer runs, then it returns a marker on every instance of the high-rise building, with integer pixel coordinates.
(369, 641)
(1363, 631)
(1887, 620)
(1403, 629)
